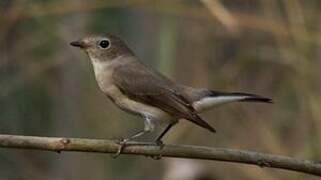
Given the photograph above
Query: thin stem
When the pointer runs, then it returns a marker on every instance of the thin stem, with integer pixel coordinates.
(177, 151)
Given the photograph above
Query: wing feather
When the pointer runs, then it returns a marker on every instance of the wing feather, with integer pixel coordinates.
(141, 84)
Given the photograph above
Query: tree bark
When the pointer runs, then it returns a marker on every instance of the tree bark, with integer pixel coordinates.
(149, 149)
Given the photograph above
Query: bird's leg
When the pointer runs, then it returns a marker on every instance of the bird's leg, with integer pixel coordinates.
(140, 133)
(158, 140)
(149, 127)
(123, 143)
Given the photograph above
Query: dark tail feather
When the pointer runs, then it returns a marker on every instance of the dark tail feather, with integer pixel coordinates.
(253, 98)
(247, 96)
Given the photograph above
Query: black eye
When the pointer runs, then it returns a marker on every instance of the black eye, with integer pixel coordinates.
(104, 44)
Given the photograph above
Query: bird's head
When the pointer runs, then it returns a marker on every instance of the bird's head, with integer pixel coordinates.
(104, 47)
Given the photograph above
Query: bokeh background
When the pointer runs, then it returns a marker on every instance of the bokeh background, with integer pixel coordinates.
(268, 47)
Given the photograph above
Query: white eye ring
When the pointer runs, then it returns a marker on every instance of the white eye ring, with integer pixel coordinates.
(104, 44)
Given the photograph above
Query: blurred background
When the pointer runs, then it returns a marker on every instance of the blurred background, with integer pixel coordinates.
(267, 47)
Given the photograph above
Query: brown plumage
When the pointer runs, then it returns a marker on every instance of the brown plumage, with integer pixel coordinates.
(140, 90)
(161, 92)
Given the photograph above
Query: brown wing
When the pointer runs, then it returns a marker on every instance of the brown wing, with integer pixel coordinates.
(141, 84)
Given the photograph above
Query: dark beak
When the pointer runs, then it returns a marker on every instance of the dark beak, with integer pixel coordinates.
(79, 44)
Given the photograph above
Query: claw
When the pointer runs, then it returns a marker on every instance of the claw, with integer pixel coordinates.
(122, 145)
(157, 157)
(159, 143)
(124, 142)
(161, 146)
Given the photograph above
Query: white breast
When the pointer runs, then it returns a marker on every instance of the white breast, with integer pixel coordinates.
(103, 73)
(135, 107)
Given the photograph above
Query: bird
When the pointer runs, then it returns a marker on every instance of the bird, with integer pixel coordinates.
(141, 90)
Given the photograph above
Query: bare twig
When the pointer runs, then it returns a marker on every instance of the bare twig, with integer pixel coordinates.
(178, 151)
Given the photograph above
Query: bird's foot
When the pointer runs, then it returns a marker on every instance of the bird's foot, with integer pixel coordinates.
(122, 144)
(156, 157)
(159, 143)
(161, 146)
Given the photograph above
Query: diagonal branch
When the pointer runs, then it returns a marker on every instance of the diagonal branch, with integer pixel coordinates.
(178, 151)
(222, 14)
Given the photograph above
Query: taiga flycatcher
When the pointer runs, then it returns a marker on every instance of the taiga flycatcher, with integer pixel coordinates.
(140, 90)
